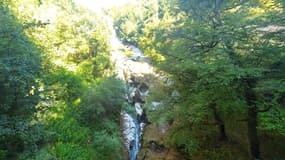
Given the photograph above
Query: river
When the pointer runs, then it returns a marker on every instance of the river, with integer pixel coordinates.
(134, 70)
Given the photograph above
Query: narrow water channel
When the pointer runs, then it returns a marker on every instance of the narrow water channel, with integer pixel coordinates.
(133, 70)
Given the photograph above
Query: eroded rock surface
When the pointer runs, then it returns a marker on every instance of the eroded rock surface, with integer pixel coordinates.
(154, 145)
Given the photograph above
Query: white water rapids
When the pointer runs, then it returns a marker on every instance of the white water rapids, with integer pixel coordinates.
(132, 70)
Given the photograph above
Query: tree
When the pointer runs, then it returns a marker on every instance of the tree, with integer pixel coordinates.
(222, 56)
(47, 62)
(19, 68)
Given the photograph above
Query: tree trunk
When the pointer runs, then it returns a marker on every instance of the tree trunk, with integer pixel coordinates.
(252, 120)
(252, 132)
(220, 122)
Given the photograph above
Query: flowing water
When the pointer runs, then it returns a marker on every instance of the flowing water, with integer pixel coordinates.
(135, 148)
(133, 70)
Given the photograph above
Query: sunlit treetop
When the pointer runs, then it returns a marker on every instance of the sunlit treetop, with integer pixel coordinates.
(97, 5)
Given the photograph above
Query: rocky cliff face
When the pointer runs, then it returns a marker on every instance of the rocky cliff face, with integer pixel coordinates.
(154, 145)
(133, 122)
(142, 140)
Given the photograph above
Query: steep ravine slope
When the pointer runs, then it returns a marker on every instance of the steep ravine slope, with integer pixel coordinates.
(141, 139)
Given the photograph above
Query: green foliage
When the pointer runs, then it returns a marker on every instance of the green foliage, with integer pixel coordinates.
(68, 130)
(211, 50)
(184, 141)
(42, 154)
(218, 154)
(273, 121)
(68, 84)
(67, 151)
(47, 65)
(125, 22)
(102, 101)
(107, 141)
(19, 68)
(59, 100)
(130, 109)
(3, 154)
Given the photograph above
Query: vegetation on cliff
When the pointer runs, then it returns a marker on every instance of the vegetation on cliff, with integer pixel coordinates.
(220, 93)
(59, 99)
(226, 61)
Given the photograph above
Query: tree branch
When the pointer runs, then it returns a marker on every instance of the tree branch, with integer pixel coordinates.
(265, 109)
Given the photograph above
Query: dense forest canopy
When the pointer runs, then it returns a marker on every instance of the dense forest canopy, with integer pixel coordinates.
(223, 96)
(226, 61)
(56, 77)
